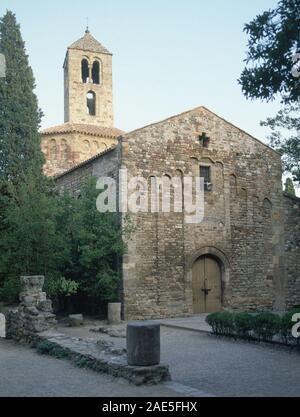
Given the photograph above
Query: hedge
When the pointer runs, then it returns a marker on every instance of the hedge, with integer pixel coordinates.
(262, 327)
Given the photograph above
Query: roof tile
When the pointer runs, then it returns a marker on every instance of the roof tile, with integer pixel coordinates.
(92, 130)
(89, 43)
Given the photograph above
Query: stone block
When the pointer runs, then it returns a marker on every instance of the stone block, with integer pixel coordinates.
(45, 306)
(114, 313)
(75, 320)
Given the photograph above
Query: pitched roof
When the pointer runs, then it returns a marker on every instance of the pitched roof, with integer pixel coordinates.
(89, 43)
(93, 130)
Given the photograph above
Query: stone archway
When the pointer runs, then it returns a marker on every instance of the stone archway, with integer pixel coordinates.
(208, 277)
(2, 326)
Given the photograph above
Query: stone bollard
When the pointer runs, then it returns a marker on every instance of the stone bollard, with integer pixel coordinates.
(114, 313)
(143, 343)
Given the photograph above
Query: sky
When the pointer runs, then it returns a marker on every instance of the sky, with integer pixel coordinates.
(169, 55)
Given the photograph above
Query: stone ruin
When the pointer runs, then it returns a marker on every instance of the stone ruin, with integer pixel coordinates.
(34, 313)
(32, 322)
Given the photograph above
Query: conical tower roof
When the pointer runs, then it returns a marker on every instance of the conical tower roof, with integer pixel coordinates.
(89, 43)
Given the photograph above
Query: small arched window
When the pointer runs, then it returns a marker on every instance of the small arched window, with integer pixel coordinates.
(267, 208)
(96, 72)
(233, 185)
(53, 149)
(91, 103)
(86, 148)
(64, 149)
(85, 71)
(95, 146)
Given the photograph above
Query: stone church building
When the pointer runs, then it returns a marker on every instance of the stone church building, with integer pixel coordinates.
(244, 255)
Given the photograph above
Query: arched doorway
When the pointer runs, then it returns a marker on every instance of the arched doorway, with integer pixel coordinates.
(207, 285)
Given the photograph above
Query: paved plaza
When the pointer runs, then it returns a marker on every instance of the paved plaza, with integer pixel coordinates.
(200, 364)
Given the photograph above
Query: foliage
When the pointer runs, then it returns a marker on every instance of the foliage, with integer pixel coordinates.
(66, 239)
(289, 187)
(97, 242)
(266, 326)
(285, 136)
(273, 41)
(244, 324)
(10, 290)
(61, 286)
(20, 117)
(221, 323)
(263, 326)
(48, 348)
(31, 242)
(28, 241)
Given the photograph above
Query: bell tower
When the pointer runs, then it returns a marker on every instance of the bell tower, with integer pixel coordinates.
(88, 87)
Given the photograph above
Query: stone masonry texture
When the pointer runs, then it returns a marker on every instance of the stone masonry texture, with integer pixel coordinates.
(249, 225)
(83, 135)
(34, 313)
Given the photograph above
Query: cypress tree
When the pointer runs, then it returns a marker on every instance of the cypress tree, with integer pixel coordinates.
(20, 117)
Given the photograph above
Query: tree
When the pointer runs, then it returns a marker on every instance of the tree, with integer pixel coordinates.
(285, 136)
(274, 37)
(97, 242)
(28, 241)
(20, 117)
(289, 187)
(31, 242)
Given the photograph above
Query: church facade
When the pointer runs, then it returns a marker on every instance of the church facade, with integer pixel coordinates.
(243, 256)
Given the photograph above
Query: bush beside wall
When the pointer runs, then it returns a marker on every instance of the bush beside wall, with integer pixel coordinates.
(262, 327)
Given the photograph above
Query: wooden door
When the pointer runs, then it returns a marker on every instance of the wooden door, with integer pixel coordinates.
(207, 289)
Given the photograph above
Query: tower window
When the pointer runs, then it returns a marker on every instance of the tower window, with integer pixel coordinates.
(205, 172)
(85, 71)
(91, 103)
(96, 72)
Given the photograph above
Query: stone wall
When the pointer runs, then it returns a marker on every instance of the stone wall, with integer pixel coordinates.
(34, 314)
(63, 151)
(106, 165)
(292, 249)
(76, 91)
(242, 227)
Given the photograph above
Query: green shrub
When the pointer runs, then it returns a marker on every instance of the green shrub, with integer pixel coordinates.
(221, 323)
(9, 292)
(61, 286)
(48, 348)
(266, 326)
(213, 322)
(244, 323)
